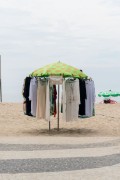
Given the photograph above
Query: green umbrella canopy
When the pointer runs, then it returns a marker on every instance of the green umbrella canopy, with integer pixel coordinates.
(109, 93)
(58, 69)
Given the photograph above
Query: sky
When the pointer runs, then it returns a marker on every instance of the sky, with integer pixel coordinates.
(81, 33)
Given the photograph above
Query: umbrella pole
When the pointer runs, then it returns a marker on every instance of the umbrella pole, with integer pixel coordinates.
(49, 110)
(49, 126)
(58, 105)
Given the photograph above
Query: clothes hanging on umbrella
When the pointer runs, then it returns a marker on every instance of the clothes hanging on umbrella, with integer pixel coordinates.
(90, 100)
(25, 93)
(71, 99)
(46, 95)
(87, 98)
(47, 113)
(83, 96)
(33, 95)
(53, 97)
(78, 98)
(41, 99)
(56, 80)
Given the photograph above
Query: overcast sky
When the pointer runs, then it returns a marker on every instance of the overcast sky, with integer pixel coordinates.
(82, 33)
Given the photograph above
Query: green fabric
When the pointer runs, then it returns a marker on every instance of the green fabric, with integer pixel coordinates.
(58, 69)
(109, 93)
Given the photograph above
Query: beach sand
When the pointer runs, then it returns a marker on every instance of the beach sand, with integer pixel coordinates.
(106, 122)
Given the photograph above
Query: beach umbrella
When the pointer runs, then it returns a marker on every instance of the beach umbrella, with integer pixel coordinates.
(109, 94)
(58, 69)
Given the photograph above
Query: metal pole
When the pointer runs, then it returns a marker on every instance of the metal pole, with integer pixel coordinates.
(49, 126)
(58, 105)
(0, 82)
(49, 106)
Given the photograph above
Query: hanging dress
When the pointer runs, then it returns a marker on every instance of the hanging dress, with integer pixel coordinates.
(71, 100)
(33, 95)
(89, 102)
(83, 96)
(27, 101)
(41, 99)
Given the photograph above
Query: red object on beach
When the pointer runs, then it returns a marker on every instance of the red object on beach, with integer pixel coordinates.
(113, 102)
(109, 101)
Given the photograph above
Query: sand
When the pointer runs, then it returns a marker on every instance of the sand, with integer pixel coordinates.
(106, 122)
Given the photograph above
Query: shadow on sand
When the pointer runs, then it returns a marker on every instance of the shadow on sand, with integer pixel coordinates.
(62, 132)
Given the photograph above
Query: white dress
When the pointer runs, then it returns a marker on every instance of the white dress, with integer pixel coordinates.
(41, 99)
(71, 100)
